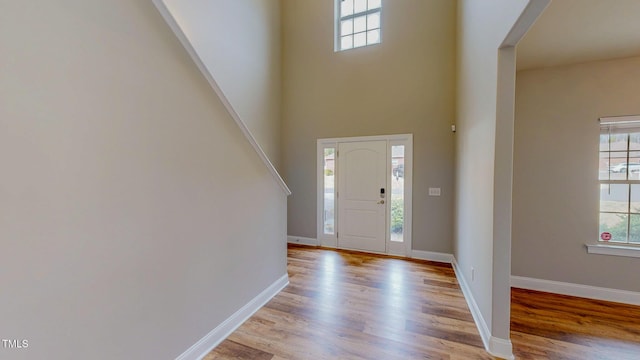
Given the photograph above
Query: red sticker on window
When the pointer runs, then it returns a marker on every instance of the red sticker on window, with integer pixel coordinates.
(605, 236)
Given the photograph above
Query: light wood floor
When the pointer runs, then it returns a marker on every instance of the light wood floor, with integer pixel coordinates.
(347, 305)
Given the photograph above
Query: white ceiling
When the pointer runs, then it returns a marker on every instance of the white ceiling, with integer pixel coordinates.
(577, 31)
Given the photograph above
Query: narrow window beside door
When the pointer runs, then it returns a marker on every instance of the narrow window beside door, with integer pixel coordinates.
(397, 193)
(329, 190)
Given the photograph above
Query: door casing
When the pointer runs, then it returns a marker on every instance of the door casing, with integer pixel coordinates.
(331, 240)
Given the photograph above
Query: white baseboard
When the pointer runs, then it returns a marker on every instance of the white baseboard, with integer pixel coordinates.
(302, 240)
(222, 331)
(432, 256)
(498, 347)
(584, 291)
(501, 348)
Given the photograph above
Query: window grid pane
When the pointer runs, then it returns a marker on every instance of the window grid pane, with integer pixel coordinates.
(373, 37)
(346, 42)
(614, 198)
(613, 165)
(346, 7)
(374, 4)
(346, 27)
(613, 227)
(618, 142)
(634, 229)
(359, 39)
(604, 142)
(634, 141)
(373, 21)
(360, 6)
(359, 24)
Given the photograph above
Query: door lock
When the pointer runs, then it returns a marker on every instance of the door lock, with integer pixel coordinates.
(381, 202)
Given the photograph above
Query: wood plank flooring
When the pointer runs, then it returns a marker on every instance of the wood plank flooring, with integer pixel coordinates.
(551, 326)
(347, 305)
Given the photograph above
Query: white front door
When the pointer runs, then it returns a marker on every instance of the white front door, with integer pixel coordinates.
(362, 195)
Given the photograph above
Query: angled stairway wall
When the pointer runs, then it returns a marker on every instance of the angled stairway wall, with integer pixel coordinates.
(236, 45)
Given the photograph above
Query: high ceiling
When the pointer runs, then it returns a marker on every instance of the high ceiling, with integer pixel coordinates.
(576, 31)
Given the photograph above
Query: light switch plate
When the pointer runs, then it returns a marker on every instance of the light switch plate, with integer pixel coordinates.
(434, 191)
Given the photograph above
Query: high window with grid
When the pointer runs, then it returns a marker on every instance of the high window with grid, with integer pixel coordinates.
(357, 23)
(619, 177)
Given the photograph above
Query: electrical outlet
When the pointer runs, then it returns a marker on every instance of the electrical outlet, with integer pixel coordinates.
(434, 191)
(473, 274)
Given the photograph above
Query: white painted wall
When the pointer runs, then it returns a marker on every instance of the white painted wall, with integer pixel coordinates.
(239, 43)
(482, 27)
(405, 84)
(556, 185)
(134, 215)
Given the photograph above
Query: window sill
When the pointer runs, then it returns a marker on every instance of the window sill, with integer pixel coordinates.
(615, 250)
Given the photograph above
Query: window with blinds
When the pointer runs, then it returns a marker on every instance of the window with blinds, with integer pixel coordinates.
(619, 175)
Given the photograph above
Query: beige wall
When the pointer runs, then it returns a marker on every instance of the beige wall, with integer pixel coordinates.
(555, 196)
(403, 85)
(126, 189)
(239, 43)
(482, 27)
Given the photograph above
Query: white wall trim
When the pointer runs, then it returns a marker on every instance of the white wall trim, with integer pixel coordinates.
(501, 348)
(585, 291)
(222, 331)
(432, 256)
(302, 240)
(391, 137)
(527, 18)
(619, 119)
(626, 251)
(184, 40)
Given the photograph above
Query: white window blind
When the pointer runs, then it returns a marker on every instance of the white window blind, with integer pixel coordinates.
(619, 176)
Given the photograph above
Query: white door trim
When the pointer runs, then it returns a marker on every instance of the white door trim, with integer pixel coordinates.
(331, 240)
